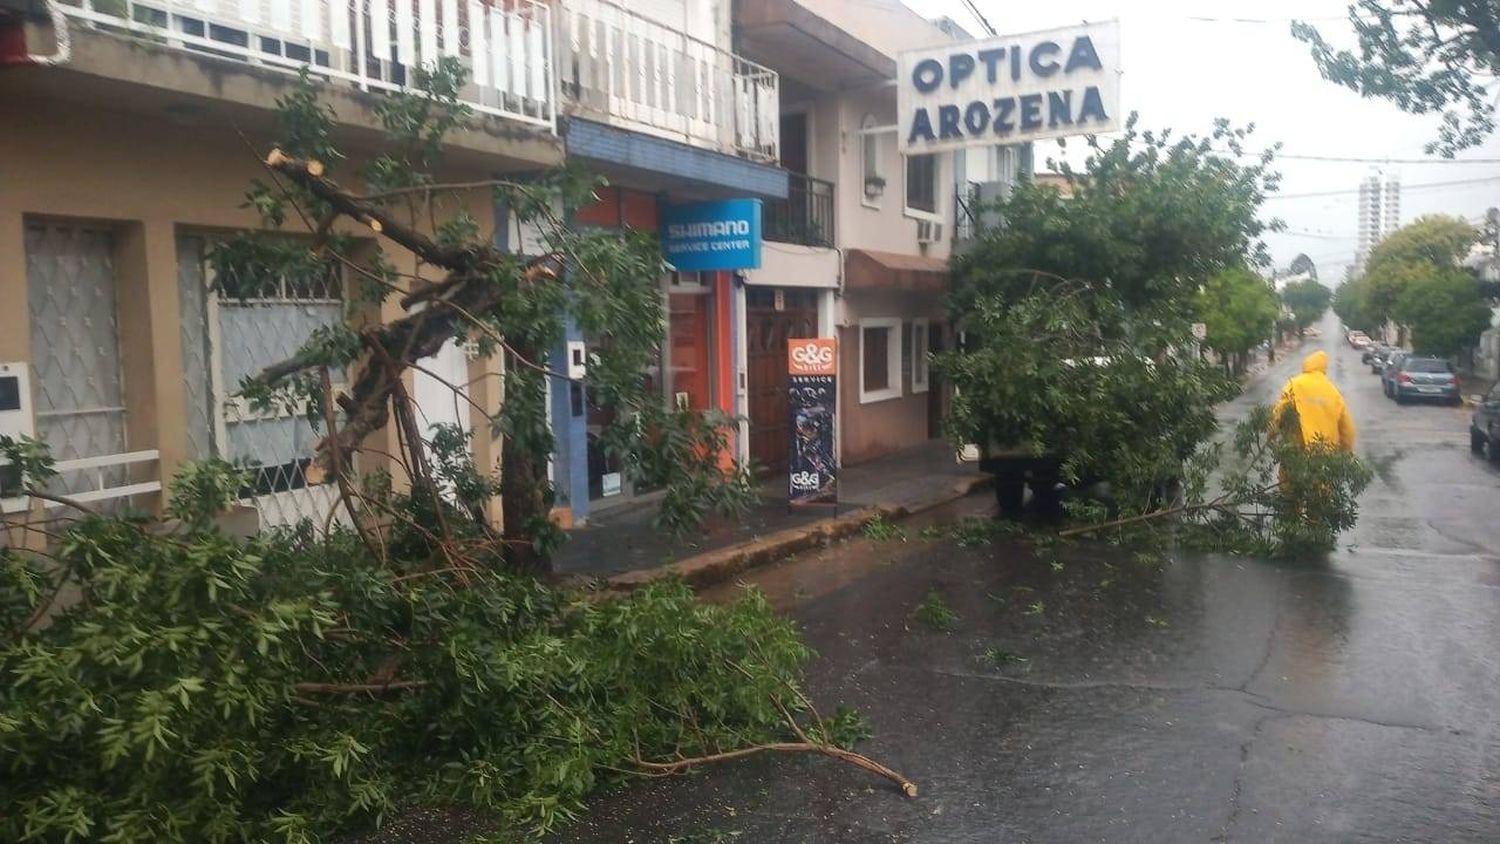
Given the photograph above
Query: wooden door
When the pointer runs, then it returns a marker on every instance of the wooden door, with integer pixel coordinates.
(767, 331)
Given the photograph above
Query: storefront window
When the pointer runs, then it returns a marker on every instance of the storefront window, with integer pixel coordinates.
(682, 375)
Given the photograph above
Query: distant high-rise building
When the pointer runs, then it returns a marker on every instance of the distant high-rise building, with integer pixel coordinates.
(1379, 213)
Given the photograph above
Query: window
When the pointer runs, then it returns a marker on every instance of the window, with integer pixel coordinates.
(1426, 365)
(921, 183)
(879, 360)
(874, 178)
(920, 345)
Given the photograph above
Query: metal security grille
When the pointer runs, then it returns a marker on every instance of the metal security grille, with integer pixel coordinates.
(226, 340)
(75, 348)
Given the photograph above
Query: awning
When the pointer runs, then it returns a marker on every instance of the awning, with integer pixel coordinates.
(869, 269)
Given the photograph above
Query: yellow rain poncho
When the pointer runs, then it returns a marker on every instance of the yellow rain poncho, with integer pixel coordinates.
(1320, 408)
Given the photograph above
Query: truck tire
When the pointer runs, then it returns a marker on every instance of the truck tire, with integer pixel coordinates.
(1010, 493)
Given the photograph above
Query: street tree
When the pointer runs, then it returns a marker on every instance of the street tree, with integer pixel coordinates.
(1239, 309)
(453, 284)
(1124, 228)
(1078, 311)
(1351, 304)
(1308, 300)
(1404, 256)
(1445, 311)
(1426, 57)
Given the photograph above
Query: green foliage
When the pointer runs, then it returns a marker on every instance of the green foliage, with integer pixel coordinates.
(935, 613)
(202, 490)
(606, 282)
(1308, 300)
(1125, 227)
(1445, 311)
(1423, 56)
(30, 458)
(880, 530)
(1239, 308)
(190, 687)
(973, 531)
(1261, 494)
(1000, 657)
(1408, 255)
(1058, 375)
(1351, 303)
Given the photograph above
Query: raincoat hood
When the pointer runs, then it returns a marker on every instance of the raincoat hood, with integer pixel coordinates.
(1315, 362)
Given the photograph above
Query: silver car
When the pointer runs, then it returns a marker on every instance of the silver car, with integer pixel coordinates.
(1425, 379)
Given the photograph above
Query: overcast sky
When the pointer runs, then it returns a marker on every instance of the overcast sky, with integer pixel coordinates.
(1182, 71)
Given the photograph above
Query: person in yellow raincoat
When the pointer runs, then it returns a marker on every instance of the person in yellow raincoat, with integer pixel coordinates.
(1320, 410)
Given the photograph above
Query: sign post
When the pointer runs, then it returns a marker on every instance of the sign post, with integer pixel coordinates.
(812, 464)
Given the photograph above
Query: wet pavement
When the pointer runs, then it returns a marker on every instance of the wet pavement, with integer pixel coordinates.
(1113, 699)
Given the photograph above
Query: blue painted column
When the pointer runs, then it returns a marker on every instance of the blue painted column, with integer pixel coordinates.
(570, 458)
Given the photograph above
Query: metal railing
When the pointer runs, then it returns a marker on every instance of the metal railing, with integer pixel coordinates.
(504, 45)
(805, 216)
(652, 76)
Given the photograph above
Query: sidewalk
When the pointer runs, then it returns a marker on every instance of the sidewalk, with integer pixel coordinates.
(626, 540)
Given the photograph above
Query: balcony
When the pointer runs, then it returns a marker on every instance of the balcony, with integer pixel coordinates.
(506, 48)
(646, 76)
(805, 217)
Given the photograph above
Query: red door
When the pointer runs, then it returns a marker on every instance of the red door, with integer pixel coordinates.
(767, 332)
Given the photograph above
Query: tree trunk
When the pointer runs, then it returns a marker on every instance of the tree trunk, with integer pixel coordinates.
(523, 499)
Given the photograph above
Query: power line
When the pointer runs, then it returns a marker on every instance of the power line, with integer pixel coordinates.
(1404, 188)
(978, 15)
(1358, 160)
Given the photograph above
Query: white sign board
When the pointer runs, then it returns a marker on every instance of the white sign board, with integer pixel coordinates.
(1010, 89)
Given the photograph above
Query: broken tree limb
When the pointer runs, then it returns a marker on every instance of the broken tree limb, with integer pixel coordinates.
(677, 766)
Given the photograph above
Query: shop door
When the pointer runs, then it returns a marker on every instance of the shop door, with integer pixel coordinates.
(767, 331)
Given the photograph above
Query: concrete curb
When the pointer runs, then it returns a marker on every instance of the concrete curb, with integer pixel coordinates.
(718, 566)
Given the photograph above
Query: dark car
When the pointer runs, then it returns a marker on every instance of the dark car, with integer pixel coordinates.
(1425, 379)
(1390, 363)
(1484, 427)
(1376, 357)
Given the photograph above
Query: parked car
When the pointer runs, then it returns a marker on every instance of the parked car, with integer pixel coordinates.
(1373, 352)
(1358, 339)
(1484, 426)
(1421, 378)
(1388, 371)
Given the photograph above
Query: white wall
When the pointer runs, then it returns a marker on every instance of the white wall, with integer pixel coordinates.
(884, 223)
(887, 25)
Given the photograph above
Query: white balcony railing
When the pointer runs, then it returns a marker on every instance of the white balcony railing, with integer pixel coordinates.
(649, 75)
(505, 45)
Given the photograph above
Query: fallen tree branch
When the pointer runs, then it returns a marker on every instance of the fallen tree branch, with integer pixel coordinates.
(677, 766)
(357, 688)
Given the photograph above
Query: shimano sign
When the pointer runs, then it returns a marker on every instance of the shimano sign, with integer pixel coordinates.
(709, 236)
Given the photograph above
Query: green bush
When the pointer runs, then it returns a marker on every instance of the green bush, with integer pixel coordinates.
(194, 687)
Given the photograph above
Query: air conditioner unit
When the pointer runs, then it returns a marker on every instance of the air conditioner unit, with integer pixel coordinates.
(929, 231)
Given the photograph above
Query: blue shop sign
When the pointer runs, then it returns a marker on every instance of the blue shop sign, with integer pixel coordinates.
(706, 236)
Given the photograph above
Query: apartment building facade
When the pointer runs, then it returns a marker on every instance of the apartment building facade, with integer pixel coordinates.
(859, 251)
(133, 130)
(139, 126)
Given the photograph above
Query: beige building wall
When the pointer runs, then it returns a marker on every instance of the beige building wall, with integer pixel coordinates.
(875, 429)
(149, 179)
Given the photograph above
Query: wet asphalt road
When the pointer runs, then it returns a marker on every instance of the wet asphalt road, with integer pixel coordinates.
(1207, 699)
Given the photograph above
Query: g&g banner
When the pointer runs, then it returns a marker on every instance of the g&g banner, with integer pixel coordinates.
(812, 467)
